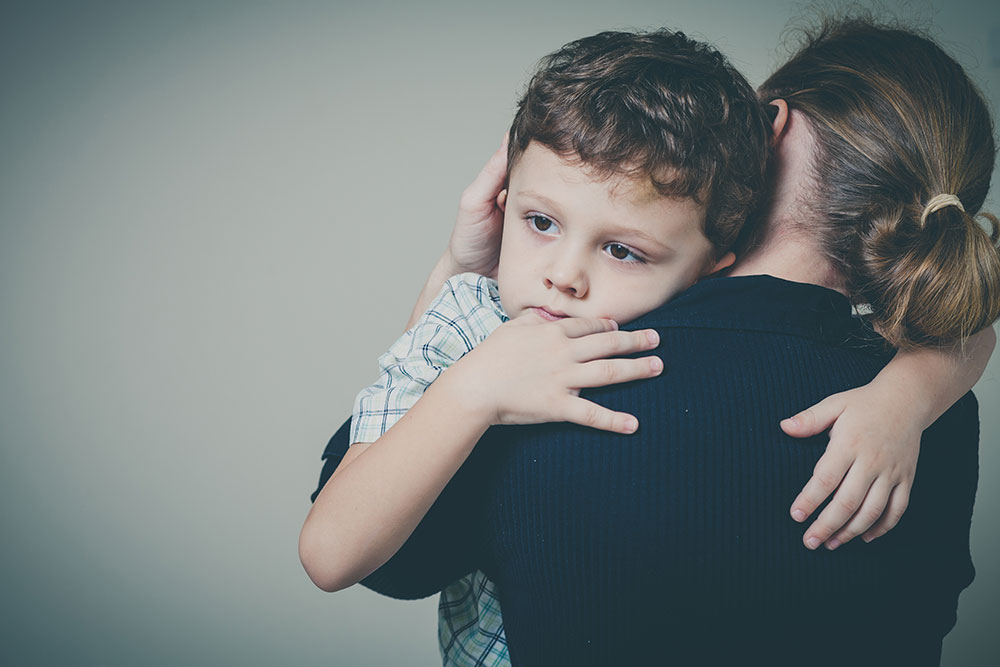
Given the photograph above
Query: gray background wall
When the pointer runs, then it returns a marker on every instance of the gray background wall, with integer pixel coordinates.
(213, 218)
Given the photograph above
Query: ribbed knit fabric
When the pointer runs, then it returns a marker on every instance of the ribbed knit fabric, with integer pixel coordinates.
(674, 545)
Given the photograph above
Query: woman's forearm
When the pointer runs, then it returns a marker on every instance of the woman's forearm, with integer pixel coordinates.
(369, 508)
(935, 378)
(444, 269)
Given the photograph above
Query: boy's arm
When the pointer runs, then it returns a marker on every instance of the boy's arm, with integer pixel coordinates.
(875, 439)
(379, 493)
(528, 371)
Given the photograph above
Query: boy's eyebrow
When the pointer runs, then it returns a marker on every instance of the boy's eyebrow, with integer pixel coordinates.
(534, 195)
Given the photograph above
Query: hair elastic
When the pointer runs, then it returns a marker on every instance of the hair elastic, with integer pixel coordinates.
(938, 202)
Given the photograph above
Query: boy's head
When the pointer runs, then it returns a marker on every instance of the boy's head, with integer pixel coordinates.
(659, 122)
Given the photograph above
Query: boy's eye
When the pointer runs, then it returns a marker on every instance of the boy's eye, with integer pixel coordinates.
(540, 223)
(624, 253)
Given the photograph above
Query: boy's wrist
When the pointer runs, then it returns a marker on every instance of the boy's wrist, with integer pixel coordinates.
(462, 387)
(918, 406)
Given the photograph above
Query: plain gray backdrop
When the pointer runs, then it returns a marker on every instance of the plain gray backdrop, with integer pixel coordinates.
(213, 218)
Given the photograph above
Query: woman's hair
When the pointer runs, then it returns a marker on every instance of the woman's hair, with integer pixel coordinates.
(656, 106)
(899, 127)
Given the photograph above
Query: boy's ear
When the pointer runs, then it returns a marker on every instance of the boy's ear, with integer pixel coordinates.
(780, 117)
(502, 200)
(723, 263)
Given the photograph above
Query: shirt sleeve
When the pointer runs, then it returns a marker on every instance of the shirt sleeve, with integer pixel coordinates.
(463, 314)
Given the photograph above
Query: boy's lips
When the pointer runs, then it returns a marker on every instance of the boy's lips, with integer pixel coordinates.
(550, 315)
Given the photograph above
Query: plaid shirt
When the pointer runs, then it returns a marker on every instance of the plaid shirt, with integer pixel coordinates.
(470, 627)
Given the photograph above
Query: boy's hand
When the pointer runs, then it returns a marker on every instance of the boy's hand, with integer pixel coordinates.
(871, 457)
(529, 371)
(475, 240)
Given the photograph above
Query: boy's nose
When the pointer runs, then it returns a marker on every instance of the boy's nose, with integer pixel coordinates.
(567, 276)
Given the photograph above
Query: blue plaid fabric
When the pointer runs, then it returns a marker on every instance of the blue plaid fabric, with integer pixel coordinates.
(470, 626)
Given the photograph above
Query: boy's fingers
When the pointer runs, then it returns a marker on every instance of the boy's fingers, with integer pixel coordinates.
(815, 419)
(894, 510)
(577, 327)
(604, 372)
(839, 511)
(587, 413)
(613, 344)
(868, 514)
(827, 476)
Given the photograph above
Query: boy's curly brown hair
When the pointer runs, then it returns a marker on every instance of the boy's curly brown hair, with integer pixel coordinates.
(658, 106)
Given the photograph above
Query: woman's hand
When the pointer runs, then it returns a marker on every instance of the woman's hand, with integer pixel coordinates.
(529, 371)
(870, 462)
(475, 240)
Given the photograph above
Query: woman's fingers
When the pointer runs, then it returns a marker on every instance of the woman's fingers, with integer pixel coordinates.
(841, 508)
(475, 240)
(613, 344)
(481, 194)
(871, 510)
(587, 413)
(894, 510)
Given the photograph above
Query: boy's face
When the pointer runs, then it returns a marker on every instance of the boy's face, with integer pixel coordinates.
(578, 247)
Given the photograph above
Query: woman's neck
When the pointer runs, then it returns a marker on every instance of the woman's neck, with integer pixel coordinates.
(788, 247)
(790, 257)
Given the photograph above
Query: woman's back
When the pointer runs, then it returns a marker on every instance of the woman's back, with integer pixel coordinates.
(611, 549)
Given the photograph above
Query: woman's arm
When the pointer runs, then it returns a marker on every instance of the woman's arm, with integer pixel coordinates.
(875, 439)
(526, 372)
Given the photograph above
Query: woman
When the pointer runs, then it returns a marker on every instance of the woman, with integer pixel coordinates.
(611, 554)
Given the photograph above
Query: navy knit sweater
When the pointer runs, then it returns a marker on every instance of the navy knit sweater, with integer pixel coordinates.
(674, 545)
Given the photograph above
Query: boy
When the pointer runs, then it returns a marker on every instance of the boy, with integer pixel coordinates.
(633, 163)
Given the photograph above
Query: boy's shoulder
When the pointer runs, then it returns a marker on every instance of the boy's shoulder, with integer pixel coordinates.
(467, 309)
(466, 294)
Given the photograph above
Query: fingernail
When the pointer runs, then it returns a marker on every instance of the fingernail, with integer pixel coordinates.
(791, 421)
(833, 544)
(798, 515)
(867, 538)
(656, 364)
(652, 337)
(812, 542)
(631, 425)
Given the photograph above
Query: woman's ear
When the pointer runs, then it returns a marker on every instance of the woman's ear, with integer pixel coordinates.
(502, 200)
(780, 119)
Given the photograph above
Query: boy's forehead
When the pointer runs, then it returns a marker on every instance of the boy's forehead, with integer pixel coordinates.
(625, 185)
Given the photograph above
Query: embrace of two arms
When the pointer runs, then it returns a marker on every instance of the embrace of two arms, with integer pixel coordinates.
(379, 494)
